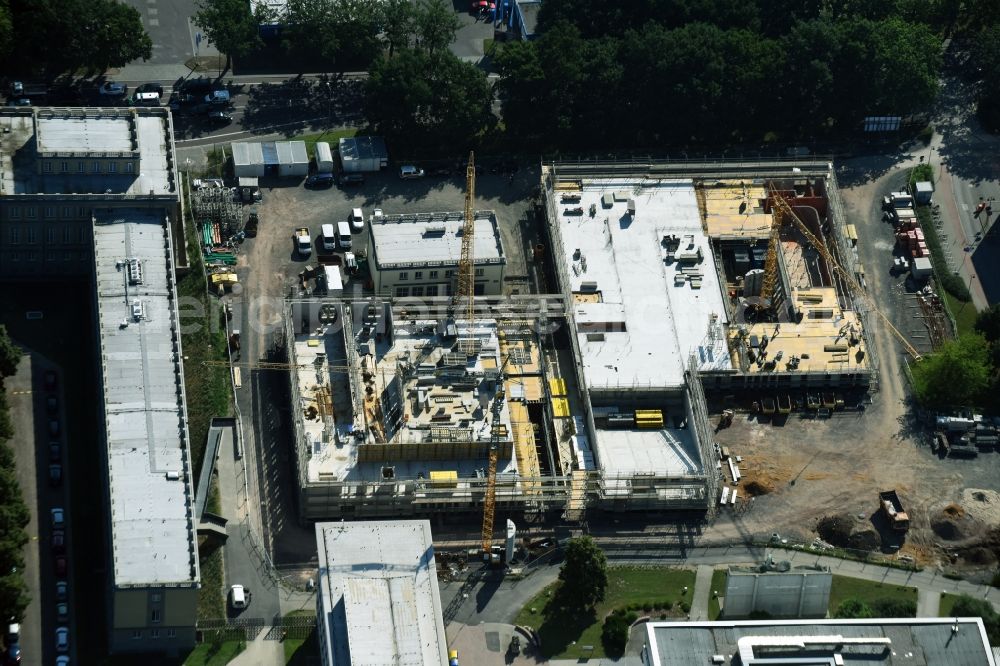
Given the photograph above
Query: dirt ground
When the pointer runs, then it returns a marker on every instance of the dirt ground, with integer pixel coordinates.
(806, 468)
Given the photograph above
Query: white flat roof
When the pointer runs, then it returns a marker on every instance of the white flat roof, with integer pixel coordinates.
(652, 319)
(153, 149)
(434, 238)
(84, 134)
(672, 451)
(149, 475)
(379, 594)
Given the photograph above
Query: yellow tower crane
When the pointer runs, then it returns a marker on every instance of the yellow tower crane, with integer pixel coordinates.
(781, 208)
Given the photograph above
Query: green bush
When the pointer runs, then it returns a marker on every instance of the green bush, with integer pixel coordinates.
(919, 174)
(946, 279)
(685, 607)
(894, 608)
(853, 608)
(614, 633)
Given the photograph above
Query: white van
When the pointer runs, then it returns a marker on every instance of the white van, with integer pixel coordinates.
(344, 235)
(147, 99)
(329, 238)
(238, 597)
(357, 220)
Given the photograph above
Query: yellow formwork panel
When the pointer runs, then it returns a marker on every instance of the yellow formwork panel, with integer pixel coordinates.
(560, 408)
(524, 444)
(444, 479)
(557, 387)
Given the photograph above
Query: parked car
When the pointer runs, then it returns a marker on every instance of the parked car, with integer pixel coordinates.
(318, 180)
(62, 639)
(12, 656)
(112, 89)
(55, 452)
(58, 518)
(408, 171)
(55, 475)
(54, 427)
(62, 591)
(52, 404)
(150, 88)
(60, 566)
(51, 380)
(58, 541)
(20, 101)
(217, 97)
(350, 179)
(180, 101)
(219, 118)
(62, 612)
(62, 660)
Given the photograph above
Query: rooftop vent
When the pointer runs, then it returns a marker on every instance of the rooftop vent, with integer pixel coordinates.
(173, 476)
(388, 473)
(138, 311)
(134, 271)
(434, 230)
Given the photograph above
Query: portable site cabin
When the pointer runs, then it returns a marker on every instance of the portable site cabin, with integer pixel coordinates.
(359, 154)
(248, 160)
(324, 157)
(253, 159)
(293, 159)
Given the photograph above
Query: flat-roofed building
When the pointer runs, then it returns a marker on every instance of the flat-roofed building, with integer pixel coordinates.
(153, 569)
(417, 255)
(865, 642)
(377, 602)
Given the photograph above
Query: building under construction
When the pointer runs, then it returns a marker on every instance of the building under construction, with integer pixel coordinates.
(667, 287)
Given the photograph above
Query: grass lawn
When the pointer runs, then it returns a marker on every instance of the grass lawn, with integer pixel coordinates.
(211, 600)
(947, 603)
(626, 587)
(302, 651)
(719, 577)
(845, 587)
(214, 654)
(964, 313)
(332, 137)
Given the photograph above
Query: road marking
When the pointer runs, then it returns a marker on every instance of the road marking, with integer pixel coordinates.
(154, 22)
(28, 392)
(153, 11)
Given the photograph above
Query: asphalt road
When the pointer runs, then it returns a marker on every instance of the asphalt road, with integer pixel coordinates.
(168, 25)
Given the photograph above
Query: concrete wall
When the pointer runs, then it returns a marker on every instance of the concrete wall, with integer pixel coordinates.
(420, 281)
(154, 619)
(789, 594)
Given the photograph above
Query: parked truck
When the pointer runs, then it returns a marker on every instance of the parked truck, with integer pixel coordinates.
(303, 242)
(893, 510)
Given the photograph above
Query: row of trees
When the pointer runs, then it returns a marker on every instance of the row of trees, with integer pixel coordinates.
(48, 38)
(14, 514)
(965, 372)
(338, 34)
(700, 82)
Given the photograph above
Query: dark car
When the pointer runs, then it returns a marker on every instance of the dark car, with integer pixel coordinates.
(12, 656)
(20, 101)
(150, 88)
(350, 179)
(51, 380)
(58, 542)
(250, 228)
(55, 475)
(62, 612)
(318, 180)
(60, 566)
(62, 591)
(54, 427)
(200, 86)
(55, 451)
(219, 118)
(52, 404)
(180, 101)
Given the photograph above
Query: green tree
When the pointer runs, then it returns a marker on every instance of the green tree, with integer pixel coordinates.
(230, 25)
(957, 375)
(6, 30)
(986, 56)
(436, 24)
(853, 608)
(398, 24)
(584, 575)
(428, 102)
(10, 354)
(614, 632)
(113, 35)
(344, 32)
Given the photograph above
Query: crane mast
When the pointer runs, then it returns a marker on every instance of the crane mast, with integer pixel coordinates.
(466, 264)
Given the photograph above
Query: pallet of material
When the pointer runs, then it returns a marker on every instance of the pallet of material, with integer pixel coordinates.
(557, 387)
(649, 418)
(725, 496)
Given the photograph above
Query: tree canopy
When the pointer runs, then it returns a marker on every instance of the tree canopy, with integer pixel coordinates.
(229, 25)
(14, 515)
(10, 355)
(584, 574)
(853, 608)
(957, 375)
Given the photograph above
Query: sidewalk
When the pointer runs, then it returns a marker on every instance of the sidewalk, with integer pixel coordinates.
(261, 651)
(702, 591)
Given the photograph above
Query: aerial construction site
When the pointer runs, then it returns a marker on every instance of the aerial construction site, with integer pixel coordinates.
(667, 287)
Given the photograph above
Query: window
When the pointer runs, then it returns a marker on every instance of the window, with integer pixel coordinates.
(32, 236)
(112, 167)
(417, 291)
(418, 275)
(50, 234)
(479, 289)
(64, 167)
(433, 275)
(81, 235)
(80, 166)
(81, 211)
(95, 166)
(67, 212)
(154, 616)
(129, 167)
(402, 292)
(171, 633)
(67, 234)
(449, 273)
(154, 633)
(15, 212)
(14, 236)
(47, 167)
(50, 211)
(404, 275)
(432, 290)
(155, 597)
(480, 272)
(30, 212)
(15, 256)
(137, 635)
(67, 256)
